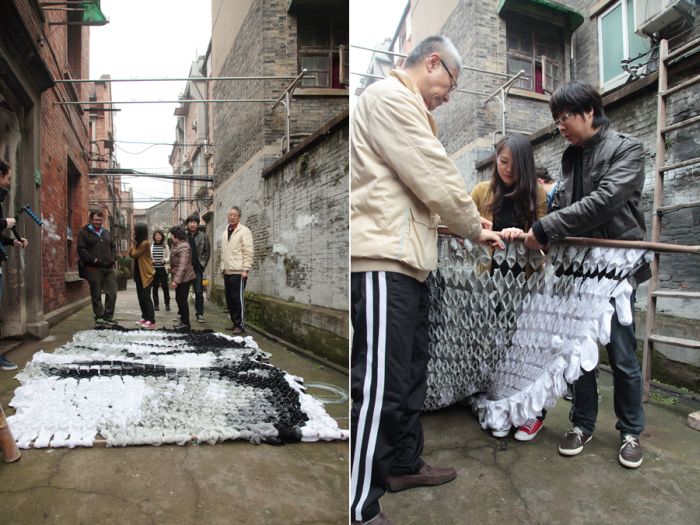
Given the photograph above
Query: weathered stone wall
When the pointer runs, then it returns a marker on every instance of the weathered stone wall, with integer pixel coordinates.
(298, 215)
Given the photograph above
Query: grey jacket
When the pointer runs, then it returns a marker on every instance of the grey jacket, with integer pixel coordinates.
(203, 251)
(613, 176)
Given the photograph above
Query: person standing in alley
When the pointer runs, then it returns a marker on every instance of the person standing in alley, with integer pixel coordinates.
(97, 254)
(143, 274)
(6, 223)
(403, 185)
(183, 274)
(160, 253)
(199, 245)
(236, 261)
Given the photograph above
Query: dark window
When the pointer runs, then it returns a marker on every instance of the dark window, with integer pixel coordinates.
(322, 44)
(74, 42)
(539, 51)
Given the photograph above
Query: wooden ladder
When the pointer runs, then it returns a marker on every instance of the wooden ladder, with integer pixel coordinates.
(658, 210)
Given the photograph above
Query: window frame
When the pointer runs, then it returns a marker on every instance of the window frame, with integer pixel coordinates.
(623, 76)
(534, 59)
(330, 51)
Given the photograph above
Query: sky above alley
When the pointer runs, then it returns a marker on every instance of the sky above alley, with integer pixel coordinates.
(148, 39)
(370, 23)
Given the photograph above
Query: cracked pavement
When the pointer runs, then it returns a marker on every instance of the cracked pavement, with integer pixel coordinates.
(504, 481)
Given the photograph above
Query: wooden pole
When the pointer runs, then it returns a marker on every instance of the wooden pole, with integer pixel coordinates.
(8, 447)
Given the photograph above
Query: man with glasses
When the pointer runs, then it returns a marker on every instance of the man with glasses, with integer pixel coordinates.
(401, 179)
(601, 179)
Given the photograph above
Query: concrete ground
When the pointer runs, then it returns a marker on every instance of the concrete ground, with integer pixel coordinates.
(507, 482)
(227, 483)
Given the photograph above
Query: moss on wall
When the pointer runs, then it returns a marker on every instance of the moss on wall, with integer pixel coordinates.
(291, 322)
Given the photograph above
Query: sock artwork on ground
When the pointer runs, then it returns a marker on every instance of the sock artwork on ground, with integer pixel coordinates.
(137, 387)
(507, 333)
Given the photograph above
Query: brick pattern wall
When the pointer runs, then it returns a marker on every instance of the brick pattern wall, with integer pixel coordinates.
(265, 46)
(64, 135)
(298, 216)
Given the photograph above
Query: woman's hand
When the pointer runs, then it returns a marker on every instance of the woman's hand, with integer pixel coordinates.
(173, 285)
(511, 234)
(485, 223)
(492, 239)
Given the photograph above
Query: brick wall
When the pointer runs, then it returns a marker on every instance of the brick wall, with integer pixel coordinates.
(265, 46)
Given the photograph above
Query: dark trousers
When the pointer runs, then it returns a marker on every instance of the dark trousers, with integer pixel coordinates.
(235, 286)
(198, 292)
(144, 296)
(183, 309)
(100, 280)
(160, 280)
(627, 384)
(389, 313)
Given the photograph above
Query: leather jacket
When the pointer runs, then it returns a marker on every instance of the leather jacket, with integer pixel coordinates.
(201, 256)
(612, 180)
(613, 177)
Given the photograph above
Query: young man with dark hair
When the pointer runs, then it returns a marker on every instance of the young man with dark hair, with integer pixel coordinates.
(6, 223)
(97, 254)
(199, 244)
(601, 179)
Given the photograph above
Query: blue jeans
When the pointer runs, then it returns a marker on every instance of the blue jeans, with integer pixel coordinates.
(627, 384)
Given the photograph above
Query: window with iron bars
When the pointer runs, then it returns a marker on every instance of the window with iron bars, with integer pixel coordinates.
(537, 50)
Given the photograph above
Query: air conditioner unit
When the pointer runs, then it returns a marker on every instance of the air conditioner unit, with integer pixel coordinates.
(652, 16)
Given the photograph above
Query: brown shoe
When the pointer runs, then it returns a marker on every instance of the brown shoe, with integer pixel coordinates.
(379, 519)
(238, 330)
(427, 476)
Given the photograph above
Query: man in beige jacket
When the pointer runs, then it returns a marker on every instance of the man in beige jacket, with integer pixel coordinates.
(236, 261)
(402, 184)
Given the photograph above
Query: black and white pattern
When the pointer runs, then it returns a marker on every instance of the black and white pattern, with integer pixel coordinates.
(512, 342)
(136, 387)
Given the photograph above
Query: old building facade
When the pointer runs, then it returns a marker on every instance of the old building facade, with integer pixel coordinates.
(46, 142)
(292, 192)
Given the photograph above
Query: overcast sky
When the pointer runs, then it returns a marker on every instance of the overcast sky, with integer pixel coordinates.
(370, 23)
(148, 39)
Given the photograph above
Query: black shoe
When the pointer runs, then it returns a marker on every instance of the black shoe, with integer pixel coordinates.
(182, 326)
(200, 318)
(6, 364)
(167, 307)
(631, 455)
(156, 308)
(572, 442)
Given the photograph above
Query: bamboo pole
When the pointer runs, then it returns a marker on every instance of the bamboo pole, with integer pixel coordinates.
(8, 447)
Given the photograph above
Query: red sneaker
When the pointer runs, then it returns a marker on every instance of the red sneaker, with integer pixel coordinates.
(529, 430)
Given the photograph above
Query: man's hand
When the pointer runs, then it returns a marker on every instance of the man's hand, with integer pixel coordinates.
(531, 241)
(10, 222)
(244, 273)
(485, 223)
(490, 238)
(21, 243)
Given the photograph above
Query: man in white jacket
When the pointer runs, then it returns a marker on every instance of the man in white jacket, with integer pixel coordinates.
(402, 185)
(236, 261)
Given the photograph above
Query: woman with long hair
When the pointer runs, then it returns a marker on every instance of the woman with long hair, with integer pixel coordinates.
(510, 203)
(183, 274)
(143, 274)
(160, 253)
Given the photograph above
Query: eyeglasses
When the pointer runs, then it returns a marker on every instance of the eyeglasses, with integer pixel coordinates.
(562, 120)
(453, 82)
